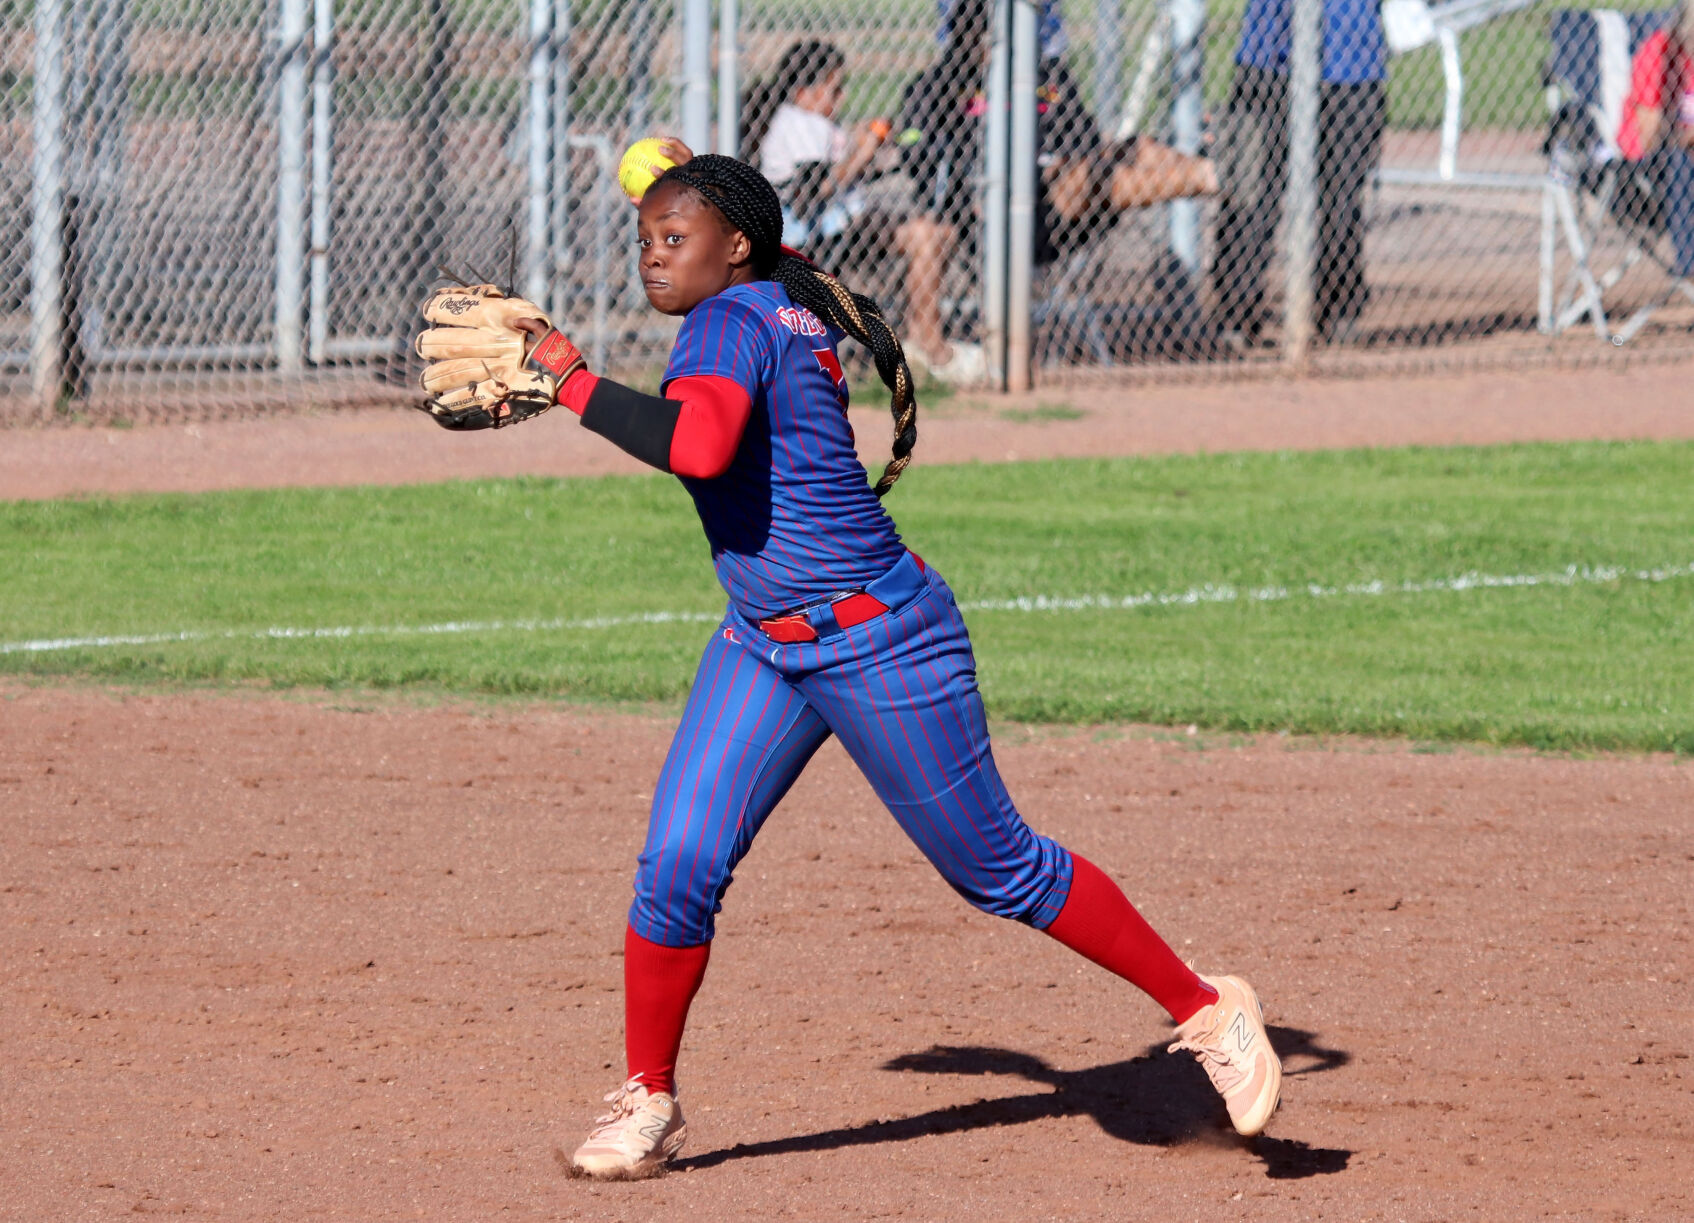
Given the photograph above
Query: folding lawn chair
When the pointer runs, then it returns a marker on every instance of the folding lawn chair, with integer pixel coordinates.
(1590, 185)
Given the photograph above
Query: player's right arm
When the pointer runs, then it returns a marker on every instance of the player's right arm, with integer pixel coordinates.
(496, 361)
(694, 429)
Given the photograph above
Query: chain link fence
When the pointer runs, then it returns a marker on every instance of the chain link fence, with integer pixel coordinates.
(217, 208)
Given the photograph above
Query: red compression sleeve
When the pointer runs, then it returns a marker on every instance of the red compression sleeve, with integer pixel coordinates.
(659, 983)
(713, 415)
(1099, 923)
(709, 427)
(578, 387)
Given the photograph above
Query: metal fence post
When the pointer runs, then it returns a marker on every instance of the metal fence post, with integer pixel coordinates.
(427, 120)
(47, 219)
(638, 66)
(1188, 61)
(562, 256)
(729, 83)
(104, 170)
(998, 143)
(697, 73)
(290, 183)
(1108, 61)
(1021, 167)
(539, 112)
(1304, 80)
(323, 153)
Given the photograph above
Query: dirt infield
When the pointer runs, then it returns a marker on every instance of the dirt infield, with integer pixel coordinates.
(396, 445)
(274, 959)
(356, 958)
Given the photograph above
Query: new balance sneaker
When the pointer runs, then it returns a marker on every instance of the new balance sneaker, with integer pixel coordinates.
(1229, 1040)
(641, 1134)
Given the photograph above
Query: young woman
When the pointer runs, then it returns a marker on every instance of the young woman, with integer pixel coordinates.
(789, 132)
(833, 627)
(1657, 127)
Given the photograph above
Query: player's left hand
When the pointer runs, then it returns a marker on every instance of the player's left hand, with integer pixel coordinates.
(493, 360)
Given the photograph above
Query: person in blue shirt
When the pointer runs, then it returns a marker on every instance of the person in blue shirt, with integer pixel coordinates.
(1253, 163)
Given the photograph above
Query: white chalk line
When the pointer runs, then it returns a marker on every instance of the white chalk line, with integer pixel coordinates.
(1572, 575)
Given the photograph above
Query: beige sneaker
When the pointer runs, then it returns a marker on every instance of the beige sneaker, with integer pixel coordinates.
(1229, 1039)
(641, 1134)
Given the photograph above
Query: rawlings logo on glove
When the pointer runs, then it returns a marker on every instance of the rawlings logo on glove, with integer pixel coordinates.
(482, 372)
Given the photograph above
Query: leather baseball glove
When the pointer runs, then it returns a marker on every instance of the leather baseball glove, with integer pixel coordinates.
(493, 360)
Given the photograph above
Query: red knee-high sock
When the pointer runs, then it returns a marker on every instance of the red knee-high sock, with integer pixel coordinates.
(1098, 922)
(659, 983)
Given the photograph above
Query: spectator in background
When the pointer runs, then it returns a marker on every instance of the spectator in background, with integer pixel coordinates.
(1084, 181)
(1657, 127)
(790, 133)
(1253, 163)
(1050, 29)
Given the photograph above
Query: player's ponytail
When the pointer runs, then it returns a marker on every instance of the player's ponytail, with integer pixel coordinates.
(750, 204)
(860, 318)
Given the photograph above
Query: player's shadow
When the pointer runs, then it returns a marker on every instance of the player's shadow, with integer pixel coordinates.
(1155, 1099)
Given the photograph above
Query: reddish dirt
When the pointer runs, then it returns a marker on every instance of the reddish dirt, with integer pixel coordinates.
(273, 956)
(397, 445)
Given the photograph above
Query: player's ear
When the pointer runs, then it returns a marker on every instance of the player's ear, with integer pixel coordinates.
(740, 249)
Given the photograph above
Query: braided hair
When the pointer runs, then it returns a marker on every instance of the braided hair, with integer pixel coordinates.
(749, 203)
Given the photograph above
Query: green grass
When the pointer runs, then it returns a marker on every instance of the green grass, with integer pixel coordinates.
(1585, 665)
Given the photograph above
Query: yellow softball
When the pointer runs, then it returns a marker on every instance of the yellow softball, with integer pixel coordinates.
(642, 162)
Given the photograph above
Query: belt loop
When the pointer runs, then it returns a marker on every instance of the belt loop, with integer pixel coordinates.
(822, 618)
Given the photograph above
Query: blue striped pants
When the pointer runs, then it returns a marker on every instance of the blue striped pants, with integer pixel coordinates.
(900, 692)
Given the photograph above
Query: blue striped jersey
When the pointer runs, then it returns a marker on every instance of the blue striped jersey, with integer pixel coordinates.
(794, 519)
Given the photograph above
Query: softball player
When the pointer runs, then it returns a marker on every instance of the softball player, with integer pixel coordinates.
(833, 627)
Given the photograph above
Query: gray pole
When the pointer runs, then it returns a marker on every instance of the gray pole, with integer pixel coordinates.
(103, 184)
(46, 233)
(559, 244)
(1188, 58)
(539, 112)
(1020, 272)
(998, 143)
(729, 82)
(1304, 78)
(697, 73)
(1108, 61)
(638, 70)
(323, 153)
(290, 184)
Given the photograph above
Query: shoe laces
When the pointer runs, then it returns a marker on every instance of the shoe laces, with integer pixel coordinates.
(1224, 1072)
(624, 1102)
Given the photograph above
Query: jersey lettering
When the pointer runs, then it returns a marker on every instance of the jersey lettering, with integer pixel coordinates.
(800, 320)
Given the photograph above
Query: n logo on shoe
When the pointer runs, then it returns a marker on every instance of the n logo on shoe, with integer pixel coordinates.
(1241, 1031)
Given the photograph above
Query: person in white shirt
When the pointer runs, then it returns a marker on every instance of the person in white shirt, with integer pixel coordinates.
(791, 135)
(817, 167)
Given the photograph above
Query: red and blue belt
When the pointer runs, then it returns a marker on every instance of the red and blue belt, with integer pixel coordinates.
(850, 607)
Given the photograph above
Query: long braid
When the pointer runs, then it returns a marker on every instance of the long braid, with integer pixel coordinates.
(861, 318)
(750, 204)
